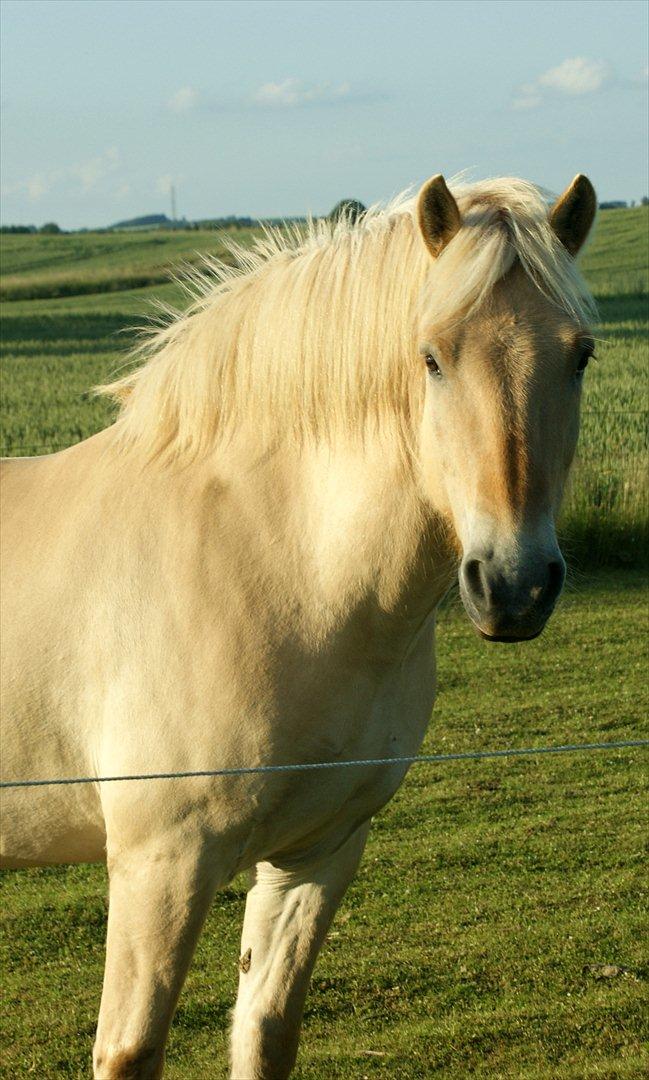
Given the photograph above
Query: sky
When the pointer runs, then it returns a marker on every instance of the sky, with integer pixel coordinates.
(282, 107)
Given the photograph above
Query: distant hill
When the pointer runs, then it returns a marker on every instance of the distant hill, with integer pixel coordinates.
(147, 221)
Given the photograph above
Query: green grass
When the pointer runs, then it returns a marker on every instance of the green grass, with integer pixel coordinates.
(476, 937)
(605, 518)
(616, 261)
(55, 351)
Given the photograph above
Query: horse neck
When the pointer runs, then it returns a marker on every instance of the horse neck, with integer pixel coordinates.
(343, 529)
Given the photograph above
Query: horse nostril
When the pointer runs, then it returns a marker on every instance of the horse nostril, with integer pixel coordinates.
(473, 577)
(556, 575)
(548, 592)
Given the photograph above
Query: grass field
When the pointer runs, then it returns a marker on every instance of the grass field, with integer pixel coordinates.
(497, 928)
(46, 267)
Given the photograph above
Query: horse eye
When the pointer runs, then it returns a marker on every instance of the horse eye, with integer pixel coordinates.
(432, 365)
(587, 351)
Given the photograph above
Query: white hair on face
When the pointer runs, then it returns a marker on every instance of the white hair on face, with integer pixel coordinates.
(313, 332)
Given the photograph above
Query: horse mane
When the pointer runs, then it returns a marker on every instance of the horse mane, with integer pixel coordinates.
(309, 332)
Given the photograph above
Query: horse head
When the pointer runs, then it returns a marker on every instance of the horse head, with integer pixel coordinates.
(504, 361)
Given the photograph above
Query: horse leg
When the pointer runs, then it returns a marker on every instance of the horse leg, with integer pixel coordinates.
(158, 901)
(288, 913)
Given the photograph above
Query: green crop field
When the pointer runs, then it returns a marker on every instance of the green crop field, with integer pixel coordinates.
(45, 267)
(497, 927)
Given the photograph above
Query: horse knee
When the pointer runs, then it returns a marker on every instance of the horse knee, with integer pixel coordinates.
(128, 1063)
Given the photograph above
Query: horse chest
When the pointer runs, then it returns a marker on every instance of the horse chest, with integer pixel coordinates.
(297, 812)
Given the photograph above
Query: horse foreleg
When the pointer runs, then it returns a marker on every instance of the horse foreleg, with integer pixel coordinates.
(288, 913)
(158, 902)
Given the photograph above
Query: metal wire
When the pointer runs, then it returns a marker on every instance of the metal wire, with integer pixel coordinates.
(419, 759)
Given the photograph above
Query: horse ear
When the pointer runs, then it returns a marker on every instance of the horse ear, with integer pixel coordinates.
(438, 215)
(573, 214)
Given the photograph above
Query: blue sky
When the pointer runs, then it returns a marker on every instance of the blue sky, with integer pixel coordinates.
(279, 108)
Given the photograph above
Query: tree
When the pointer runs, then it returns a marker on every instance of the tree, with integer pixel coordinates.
(50, 227)
(350, 209)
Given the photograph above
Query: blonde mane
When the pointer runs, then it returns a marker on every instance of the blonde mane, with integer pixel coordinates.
(311, 332)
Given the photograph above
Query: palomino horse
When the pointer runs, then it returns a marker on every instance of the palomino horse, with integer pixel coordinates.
(244, 569)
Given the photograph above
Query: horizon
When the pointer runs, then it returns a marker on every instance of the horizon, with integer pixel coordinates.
(168, 224)
(278, 110)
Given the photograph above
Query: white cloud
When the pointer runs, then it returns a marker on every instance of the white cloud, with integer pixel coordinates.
(95, 169)
(576, 76)
(573, 77)
(163, 184)
(36, 187)
(528, 97)
(183, 100)
(87, 173)
(291, 92)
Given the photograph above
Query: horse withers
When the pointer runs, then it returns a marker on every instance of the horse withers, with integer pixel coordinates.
(244, 570)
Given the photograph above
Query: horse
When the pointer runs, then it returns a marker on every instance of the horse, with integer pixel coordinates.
(244, 569)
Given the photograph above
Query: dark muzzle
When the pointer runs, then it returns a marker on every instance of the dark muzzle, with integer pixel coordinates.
(511, 601)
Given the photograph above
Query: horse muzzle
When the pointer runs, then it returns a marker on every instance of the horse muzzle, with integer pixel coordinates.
(510, 600)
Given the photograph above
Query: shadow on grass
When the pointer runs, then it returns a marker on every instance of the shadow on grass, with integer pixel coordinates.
(623, 307)
(49, 331)
(606, 544)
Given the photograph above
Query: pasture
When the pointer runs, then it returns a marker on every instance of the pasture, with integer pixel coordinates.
(495, 927)
(73, 265)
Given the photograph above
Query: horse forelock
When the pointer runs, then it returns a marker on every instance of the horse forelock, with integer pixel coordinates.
(308, 333)
(504, 222)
